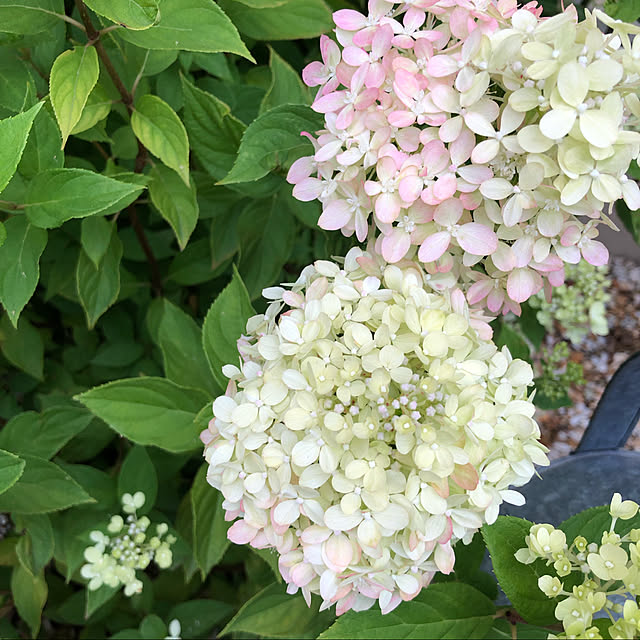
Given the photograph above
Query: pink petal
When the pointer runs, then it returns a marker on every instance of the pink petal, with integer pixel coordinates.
(395, 246)
(335, 215)
(314, 74)
(449, 212)
(445, 187)
(441, 66)
(434, 246)
(401, 118)
(595, 253)
(355, 56)
(329, 103)
(338, 552)
(479, 290)
(444, 558)
(302, 168)
(477, 239)
(307, 190)
(522, 284)
(241, 533)
(349, 19)
(387, 207)
(410, 188)
(302, 574)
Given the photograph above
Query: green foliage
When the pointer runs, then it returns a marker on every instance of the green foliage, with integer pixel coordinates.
(452, 610)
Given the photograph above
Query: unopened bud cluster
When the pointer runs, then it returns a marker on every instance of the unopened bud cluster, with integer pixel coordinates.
(611, 568)
(579, 305)
(130, 544)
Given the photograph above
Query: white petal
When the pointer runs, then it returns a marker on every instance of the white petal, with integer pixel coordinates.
(305, 453)
(223, 407)
(394, 517)
(336, 520)
(286, 512)
(557, 123)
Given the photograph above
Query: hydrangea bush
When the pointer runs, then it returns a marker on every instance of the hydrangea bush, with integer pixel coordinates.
(370, 416)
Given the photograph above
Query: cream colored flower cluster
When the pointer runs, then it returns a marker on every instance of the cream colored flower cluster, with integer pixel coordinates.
(610, 575)
(369, 428)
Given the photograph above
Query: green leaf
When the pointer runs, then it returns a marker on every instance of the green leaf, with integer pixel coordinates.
(198, 617)
(626, 10)
(14, 133)
(209, 540)
(43, 150)
(44, 434)
(267, 234)
(149, 411)
(35, 547)
(131, 14)
(530, 326)
(546, 402)
(159, 129)
(450, 610)
(190, 25)
(225, 322)
(11, 468)
(3, 234)
(138, 474)
(22, 347)
(630, 219)
(519, 581)
(58, 195)
(97, 598)
(42, 488)
(286, 85)
(593, 522)
(19, 264)
(29, 596)
(98, 287)
(505, 335)
(263, 4)
(96, 109)
(95, 237)
(28, 17)
(272, 140)
(292, 20)
(152, 628)
(73, 76)
(270, 557)
(503, 629)
(214, 133)
(180, 340)
(273, 613)
(176, 202)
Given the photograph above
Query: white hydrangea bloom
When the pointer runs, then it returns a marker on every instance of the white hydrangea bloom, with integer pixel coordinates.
(372, 425)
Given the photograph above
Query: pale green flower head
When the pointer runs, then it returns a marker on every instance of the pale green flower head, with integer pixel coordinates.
(625, 510)
(610, 563)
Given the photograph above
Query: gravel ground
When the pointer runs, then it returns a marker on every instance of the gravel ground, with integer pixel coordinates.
(600, 356)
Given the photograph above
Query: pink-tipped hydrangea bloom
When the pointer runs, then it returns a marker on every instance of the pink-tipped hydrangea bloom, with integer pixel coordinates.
(371, 426)
(483, 139)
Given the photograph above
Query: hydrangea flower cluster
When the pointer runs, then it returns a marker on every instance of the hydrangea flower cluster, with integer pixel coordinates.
(371, 425)
(475, 134)
(114, 559)
(578, 305)
(611, 568)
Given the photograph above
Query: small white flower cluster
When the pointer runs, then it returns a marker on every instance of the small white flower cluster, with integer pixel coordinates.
(579, 305)
(369, 428)
(114, 559)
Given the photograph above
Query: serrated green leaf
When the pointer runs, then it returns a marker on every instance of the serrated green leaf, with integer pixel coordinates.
(35, 547)
(159, 129)
(14, 133)
(11, 468)
(273, 613)
(131, 14)
(22, 347)
(286, 85)
(176, 202)
(28, 17)
(180, 340)
(98, 287)
(29, 596)
(43, 487)
(519, 581)
(450, 610)
(95, 110)
(267, 232)
(138, 474)
(3, 234)
(625, 10)
(58, 195)
(73, 76)
(95, 236)
(42, 150)
(214, 133)
(44, 434)
(20, 264)
(209, 526)
(225, 322)
(198, 617)
(190, 25)
(149, 411)
(263, 4)
(272, 140)
(96, 599)
(293, 20)
(591, 524)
